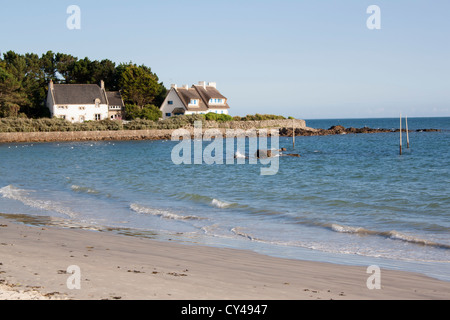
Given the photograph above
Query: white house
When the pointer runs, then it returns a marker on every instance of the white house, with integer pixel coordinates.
(82, 102)
(199, 99)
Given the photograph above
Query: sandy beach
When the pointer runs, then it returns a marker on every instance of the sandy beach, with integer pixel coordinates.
(34, 262)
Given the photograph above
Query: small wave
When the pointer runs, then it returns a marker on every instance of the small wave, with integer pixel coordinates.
(208, 200)
(411, 239)
(161, 213)
(237, 231)
(348, 229)
(193, 197)
(13, 193)
(84, 189)
(393, 235)
(220, 204)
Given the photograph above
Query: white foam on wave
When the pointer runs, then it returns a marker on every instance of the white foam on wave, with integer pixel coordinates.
(220, 204)
(83, 189)
(239, 155)
(346, 229)
(161, 213)
(393, 235)
(239, 232)
(13, 193)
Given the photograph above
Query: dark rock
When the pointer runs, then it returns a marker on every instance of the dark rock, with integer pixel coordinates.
(337, 129)
(262, 154)
(428, 130)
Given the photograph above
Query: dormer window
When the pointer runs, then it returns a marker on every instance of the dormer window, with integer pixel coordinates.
(194, 102)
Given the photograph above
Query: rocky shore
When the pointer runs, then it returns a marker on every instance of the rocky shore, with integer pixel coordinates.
(287, 132)
(166, 134)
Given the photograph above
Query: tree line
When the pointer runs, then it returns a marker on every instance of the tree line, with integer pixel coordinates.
(24, 82)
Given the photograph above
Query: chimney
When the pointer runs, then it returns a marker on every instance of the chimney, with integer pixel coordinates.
(174, 86)
(202, 84)
(50, 85)
(212, 84)
(186, 86)
(102, 84)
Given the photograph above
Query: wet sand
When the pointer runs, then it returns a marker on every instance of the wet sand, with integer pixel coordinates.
(34, 262)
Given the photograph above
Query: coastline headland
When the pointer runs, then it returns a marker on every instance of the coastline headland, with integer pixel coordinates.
(285, 128)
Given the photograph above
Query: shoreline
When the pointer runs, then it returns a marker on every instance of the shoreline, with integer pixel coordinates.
(34, 260)
(166, 134)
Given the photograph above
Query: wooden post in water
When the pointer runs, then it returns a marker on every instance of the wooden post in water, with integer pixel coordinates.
(293, 133)
(400, 134)
(407, 132)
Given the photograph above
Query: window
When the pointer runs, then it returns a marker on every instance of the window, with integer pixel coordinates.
(81, 118)
(98, 117)
(63, 117)
(168, 114)
(170, 102)
(193, 101)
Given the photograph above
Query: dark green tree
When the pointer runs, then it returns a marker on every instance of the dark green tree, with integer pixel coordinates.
(105, 70)
(139, 85)
(82, 71)
(11, 95)
(65, 64)
(48, 65)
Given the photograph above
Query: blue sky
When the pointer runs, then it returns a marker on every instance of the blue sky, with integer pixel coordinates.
(309, 59)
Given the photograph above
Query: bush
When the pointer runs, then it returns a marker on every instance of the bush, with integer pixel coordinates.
(140, 124)
(218, 117)
(260, 117)
(148, 112)
(180, 121)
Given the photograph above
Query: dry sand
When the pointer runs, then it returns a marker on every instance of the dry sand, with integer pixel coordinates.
(34, 260)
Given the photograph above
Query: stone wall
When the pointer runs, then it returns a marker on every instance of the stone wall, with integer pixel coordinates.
(9, 137)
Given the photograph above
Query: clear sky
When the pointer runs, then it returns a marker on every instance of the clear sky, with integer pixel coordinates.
(303, 58)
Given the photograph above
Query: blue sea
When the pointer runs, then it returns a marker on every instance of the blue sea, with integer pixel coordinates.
(349, 199)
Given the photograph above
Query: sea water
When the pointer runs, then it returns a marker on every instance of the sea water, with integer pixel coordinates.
(349, 199)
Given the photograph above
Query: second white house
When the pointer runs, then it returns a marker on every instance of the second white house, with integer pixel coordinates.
(198, 99)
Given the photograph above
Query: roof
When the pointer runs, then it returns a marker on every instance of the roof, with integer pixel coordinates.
(114, 98)
(209, 92)
(78, 94)
(186, 95)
